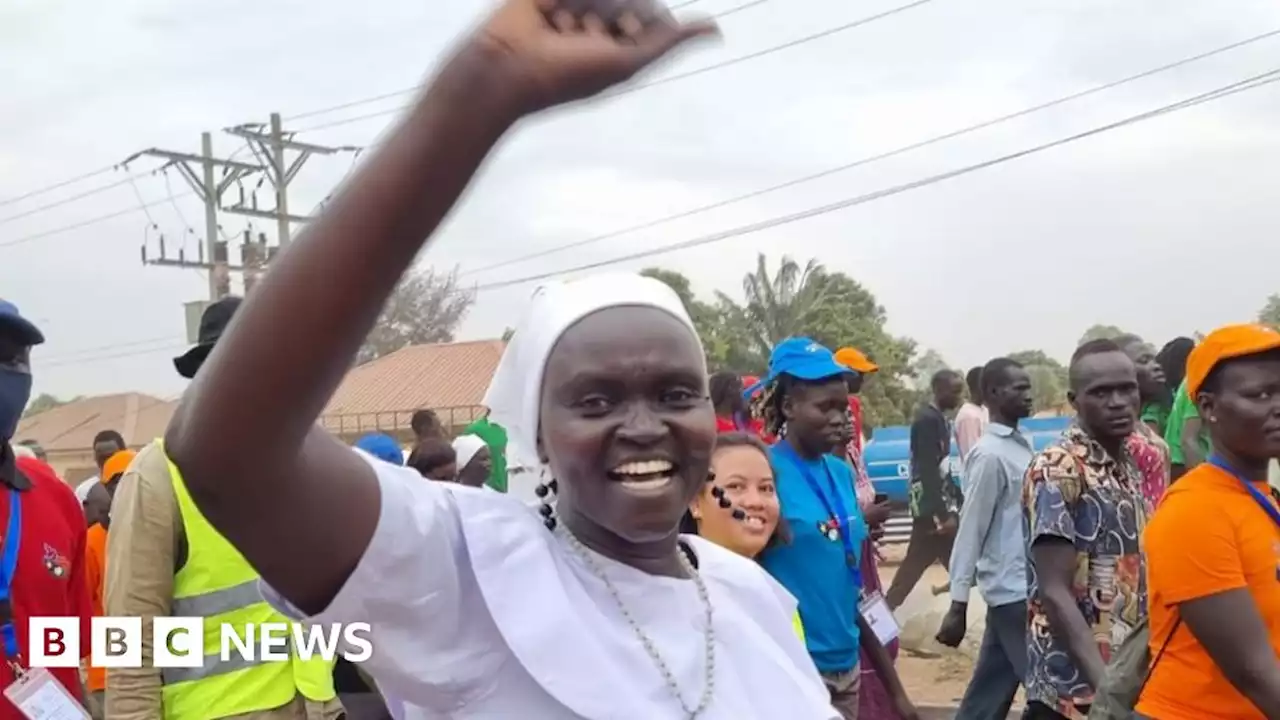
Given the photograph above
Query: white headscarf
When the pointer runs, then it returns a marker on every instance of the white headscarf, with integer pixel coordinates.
(514, 395)
(466, 447)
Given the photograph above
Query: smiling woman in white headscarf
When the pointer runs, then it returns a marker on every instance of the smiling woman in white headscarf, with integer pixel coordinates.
(593, 606)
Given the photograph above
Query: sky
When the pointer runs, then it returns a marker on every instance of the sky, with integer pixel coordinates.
(1162, 227)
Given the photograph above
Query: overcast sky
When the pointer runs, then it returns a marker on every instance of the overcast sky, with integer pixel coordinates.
(1163, 228)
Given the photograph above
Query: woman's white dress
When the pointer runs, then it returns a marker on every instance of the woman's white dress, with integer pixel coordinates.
(477, 611)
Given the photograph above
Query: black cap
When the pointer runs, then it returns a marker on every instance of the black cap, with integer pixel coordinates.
(213, 323)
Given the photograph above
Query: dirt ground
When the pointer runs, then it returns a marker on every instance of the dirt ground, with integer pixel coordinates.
(933, 675)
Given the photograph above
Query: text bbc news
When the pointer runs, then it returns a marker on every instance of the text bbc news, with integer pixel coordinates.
(116, 642)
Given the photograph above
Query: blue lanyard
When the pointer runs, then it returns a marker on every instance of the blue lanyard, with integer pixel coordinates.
(9, 564)
(1258, 496)
(834, 506)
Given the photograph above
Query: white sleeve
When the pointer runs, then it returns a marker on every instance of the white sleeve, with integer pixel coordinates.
(407, 584)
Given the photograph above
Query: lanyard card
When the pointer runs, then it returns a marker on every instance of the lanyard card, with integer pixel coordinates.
(875, 611)
(38, 696)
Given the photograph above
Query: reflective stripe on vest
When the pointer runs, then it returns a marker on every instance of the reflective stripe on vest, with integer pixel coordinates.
(218, 584)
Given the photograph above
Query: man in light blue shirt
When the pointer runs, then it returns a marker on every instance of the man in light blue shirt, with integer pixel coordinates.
(989, 548)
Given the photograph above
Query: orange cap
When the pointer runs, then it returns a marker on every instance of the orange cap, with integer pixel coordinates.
(855, 360)
(1225, 343)
(117, 464)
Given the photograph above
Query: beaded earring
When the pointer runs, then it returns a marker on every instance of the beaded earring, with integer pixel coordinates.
(546, 492)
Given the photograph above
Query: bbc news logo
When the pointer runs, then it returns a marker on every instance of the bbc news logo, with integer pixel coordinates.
(116, 642)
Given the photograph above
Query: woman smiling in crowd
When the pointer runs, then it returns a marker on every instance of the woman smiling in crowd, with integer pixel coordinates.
(740, 510)
(479, 607)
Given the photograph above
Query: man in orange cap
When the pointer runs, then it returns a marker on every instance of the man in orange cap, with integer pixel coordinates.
(861, 366)
(1213, 546)
(97, 509)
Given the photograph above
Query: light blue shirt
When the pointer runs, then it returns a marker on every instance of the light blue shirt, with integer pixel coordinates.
(989, 546)
(813, 566)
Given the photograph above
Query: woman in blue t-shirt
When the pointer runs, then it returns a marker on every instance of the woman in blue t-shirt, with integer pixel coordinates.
(805, 403)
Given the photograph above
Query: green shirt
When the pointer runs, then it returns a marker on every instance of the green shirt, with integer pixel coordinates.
(495, 437)
(1182, 411)
(1156, 415)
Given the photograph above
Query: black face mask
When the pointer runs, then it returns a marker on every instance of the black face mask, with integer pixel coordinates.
(15, 391)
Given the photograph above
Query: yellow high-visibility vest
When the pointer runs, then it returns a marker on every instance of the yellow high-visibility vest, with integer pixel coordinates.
(217, 584)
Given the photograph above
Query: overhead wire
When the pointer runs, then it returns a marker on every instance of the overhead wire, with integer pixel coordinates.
(405, 91)
(68, 200)
(91, 221)
(172, 347)
(1237, 87)
(57, 185)
(625, 90)
(647, 225)
(628, 89)
(113, 347)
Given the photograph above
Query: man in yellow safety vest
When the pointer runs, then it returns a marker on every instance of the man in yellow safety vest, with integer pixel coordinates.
(165, 559)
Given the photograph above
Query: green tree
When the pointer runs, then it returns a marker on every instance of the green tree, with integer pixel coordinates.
(1270, 313)
(723, 341)
(426, 307)
(1100, 332)
(1048, 379)
(833, 309)
(928, 364)
(1048, 388)
(809, 301)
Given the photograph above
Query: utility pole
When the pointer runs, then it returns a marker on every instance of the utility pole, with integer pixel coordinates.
(213, 253)
(270, 146)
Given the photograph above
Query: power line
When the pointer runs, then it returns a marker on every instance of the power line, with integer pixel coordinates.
(110, 356)
(1251, 83)
(68, 200)
(91, 221)
(624, 90)
(113, 347)
(57, 186)
(873, 158)
(405, 91)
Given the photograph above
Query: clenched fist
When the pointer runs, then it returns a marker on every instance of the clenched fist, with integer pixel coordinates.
(559, 51)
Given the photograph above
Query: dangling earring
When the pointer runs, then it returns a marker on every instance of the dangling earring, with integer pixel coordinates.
(546, 492)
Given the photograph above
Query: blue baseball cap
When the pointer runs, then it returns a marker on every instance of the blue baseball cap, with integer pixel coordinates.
(382, 446)
(801, 358)
(11, 319)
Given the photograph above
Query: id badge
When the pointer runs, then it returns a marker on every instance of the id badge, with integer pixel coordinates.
(38, 696)
(875, 611)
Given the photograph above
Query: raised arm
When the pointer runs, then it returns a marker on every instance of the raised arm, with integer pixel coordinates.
(300, 506)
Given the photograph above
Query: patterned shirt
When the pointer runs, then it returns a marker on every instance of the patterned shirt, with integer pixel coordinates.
(1151, 454)
(1077, 491)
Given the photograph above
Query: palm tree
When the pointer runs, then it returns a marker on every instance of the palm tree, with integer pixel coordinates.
(778, 305)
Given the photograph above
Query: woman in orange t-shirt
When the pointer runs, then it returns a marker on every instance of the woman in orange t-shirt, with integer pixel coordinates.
(1213, 546)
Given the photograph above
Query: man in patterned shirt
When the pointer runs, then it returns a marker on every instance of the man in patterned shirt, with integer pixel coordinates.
(1084, 513)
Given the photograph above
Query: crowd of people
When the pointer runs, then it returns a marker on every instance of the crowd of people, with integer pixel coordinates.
(703, 547)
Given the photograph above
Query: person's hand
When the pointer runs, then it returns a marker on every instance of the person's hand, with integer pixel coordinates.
(947, 525)
(953, 627)
(558, 51)
(877, 514)
(905, 708)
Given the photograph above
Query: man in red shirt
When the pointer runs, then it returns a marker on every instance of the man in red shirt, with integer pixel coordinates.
(48, 579)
